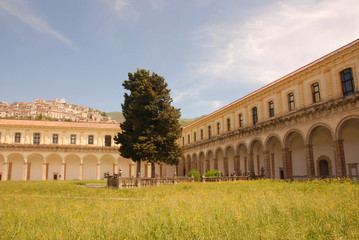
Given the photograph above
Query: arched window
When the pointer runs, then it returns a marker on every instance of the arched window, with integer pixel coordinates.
(347, 81)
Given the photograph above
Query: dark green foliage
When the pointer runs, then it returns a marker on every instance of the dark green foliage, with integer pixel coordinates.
(151, 128)
(195, 174)
(212, 173)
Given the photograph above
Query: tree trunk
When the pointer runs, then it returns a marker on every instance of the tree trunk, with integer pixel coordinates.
(138, 173)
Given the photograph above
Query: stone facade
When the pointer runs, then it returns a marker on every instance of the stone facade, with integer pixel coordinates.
(52, 150)
(304, 125)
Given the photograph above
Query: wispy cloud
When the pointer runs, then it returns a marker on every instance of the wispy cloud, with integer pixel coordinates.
(276, 41)
(125, 10)
(21, 10)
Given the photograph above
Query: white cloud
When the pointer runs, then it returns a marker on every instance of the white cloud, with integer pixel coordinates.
(124, 10)
(158, 4)
(22, 11)
(275, 41)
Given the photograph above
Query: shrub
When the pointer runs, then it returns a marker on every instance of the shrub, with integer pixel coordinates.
(212, 173)
(195, 174)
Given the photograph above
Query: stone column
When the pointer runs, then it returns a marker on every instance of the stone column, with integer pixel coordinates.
(215, 164)
(310, 161)
(237, 164)
(273, 165)
(267, 164)
(225, 166)
(245, 165)
(81, 172)
(45, 171)
(153, 170)
(5, 169)
(258, 166)
(98, 171)
(287, 166)
(339, 156)
(63, 171)
(251, 164)
(208, 165)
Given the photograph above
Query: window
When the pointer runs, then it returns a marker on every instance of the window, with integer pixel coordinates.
(17, 137)
(194, 137)
(108, 139)
(55, 138)
(189, 139)
(291, 101)
(201, 134)
(73, 139)
(209, 132)
(347, 81)
(36, 139)
(315, 92)
(229, 124)
(90, 139)
(255, 115)
(218, 128)
(240, 120)
(271, 109)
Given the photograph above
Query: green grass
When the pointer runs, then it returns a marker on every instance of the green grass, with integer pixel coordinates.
(261, 209)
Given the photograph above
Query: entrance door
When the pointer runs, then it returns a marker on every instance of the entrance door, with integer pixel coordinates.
(55, 176)
(323, 168)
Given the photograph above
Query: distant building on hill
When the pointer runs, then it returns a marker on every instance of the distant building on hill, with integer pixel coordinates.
(52, 110)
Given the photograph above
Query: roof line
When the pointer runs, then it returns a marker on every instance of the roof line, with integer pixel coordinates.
(281, 79)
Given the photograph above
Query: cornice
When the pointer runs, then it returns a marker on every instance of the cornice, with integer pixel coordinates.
(312, 113)
(56, 148)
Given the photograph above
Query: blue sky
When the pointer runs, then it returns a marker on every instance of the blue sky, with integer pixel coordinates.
(210, 52)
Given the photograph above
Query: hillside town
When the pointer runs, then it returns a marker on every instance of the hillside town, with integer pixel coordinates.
(56, 110)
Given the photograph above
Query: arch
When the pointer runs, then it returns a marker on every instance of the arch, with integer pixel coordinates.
(273, 147)
(107, 164)
(269, 139)
(344, 122)
(315, 128)
(89, 167)
(188, 166)
(218, 160)
(229, 154)
(256, 161)
(210, 160)
(16, 166)
(294, 164)
(194, 163)
(253, 143)
(72, 171)
(287, 136)
(321, 139)
(324, 167)
(181, 167)
(242, 153)
(35, 163)
(347, 134)
(54, 163)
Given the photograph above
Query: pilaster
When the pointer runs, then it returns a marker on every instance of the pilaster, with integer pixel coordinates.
(310, 161)
(340, 166)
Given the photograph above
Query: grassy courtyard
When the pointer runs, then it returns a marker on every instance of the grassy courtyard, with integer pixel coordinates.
(261, 209)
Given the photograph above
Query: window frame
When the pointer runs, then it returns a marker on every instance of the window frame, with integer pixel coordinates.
(291, 101)
(209, 132)
(344, 82)
(255, 115)
(36, 138)
(240, 116)
(271, 108)
(90, 139)
(17, 137)
(194, 137)
(218, 128)
(316, 92)
(55, 138)
(73, 139)
(108, 140)
(228, 124)
(201, 134)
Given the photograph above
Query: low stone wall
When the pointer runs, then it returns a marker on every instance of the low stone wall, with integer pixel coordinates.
(224, 179)
(119, 182)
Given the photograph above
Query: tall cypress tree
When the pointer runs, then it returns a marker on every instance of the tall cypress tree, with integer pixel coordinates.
(151, 127)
